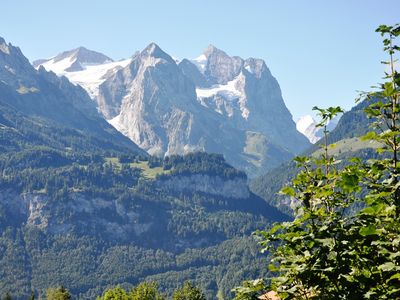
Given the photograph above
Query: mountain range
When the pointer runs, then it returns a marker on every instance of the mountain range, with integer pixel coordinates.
(214, 103)
(46, 100)
(88, 206)
(81, 205)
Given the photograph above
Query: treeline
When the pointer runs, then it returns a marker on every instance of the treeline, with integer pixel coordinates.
(143, 291)
(200, 163)
(52, 180)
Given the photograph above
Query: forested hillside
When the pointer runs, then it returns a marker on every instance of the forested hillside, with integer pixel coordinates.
(346, 136)
(86, 213)
(82, 206)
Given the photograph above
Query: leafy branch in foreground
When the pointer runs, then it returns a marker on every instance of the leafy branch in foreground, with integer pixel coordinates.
(327, 252)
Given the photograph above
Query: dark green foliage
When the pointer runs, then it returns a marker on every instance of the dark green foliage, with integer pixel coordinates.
(19, 131)
(201, 163)
(327, 252)
(58, 293)
(74, 210)
(143, 291)
(188, 292)
(7, 296)
(353, 123)
(192, 234)
(116, 293)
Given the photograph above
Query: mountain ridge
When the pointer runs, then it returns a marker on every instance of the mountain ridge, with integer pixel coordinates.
(78, 58)
(78, 197)
(241, 97)
(42, 94)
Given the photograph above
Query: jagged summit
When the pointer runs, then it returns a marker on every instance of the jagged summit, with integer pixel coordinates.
(8, 48)
(169, 108)
(15, 69)
(3, 46)
(85, 55)
(211, 49)
(73, 60)
(153, 50)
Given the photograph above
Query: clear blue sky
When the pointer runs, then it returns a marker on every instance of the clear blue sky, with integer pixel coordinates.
(320, 51)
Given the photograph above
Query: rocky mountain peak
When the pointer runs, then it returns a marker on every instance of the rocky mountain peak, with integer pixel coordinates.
(219, 67)
(3, 46)
(85, 55)
(193, 72)
(73, 60)
(15, 68)
(153, 50)
(212, 50)
(255, 66)
(168, 108)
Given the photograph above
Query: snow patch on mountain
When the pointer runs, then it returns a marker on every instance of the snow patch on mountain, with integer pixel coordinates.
(307, 126)
(4, 48)
(225, 98)
(200, 62)
(92, 76)
(116, 123)
(58, 66)
(82, 67)
(229, 90)
(304, 122)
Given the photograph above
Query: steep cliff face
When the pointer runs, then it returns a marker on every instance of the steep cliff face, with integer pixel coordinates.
(235, 188)
(157, 107)
(114, 219)
(80, 214)
(42, 94)
(215, 103)
(246, 93)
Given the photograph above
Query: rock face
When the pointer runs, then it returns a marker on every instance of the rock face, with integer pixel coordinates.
(38, 93)
(215, 103)
(91, 215)
(235, 188)
(157, 106)
(41, 212)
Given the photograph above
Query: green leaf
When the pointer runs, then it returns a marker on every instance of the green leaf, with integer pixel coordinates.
(395, 276)
(369, 230)
(369, 136)
(389, 266)
(288, 190)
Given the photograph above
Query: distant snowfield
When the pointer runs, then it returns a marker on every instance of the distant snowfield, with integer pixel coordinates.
(200, 62)
(233, 98)
(307, 126)
(304, 122)
(90, 78)
(229, 91)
